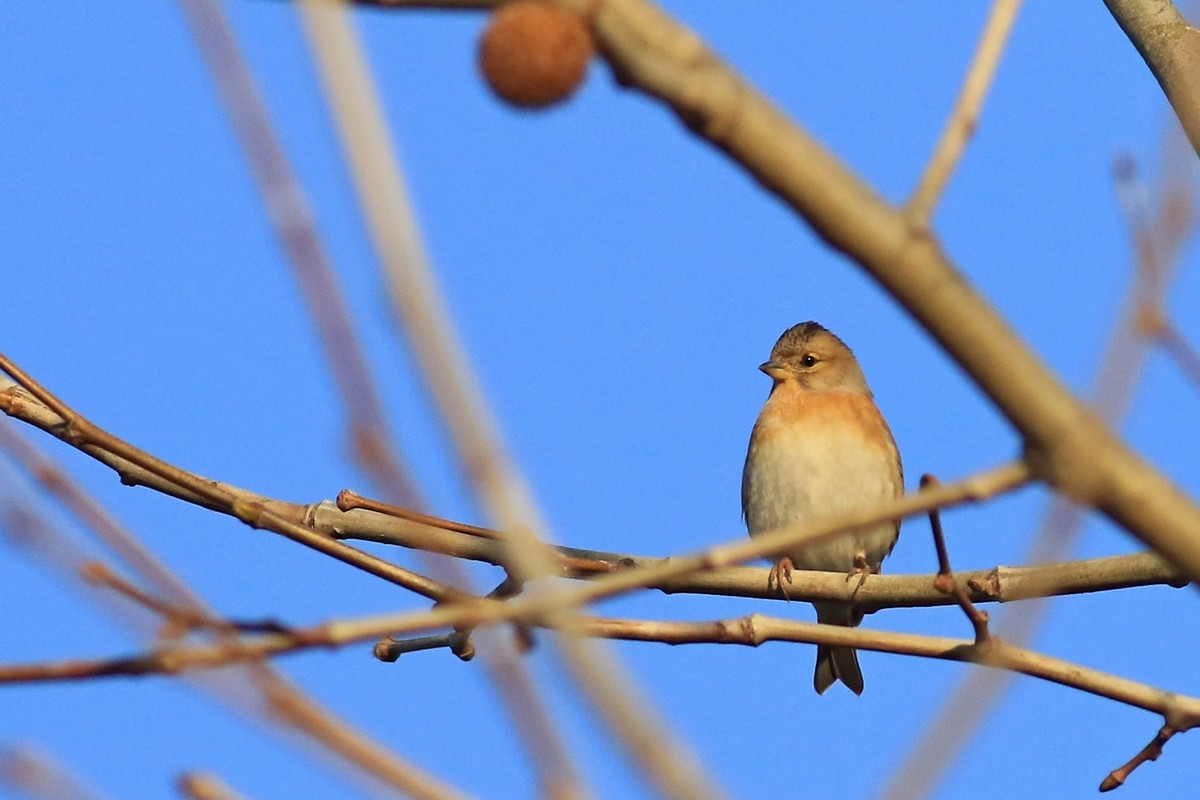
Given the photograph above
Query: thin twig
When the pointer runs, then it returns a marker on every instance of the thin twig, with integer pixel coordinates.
(390, 649)
(755, 629)
(1182, 711)
(79, 432)
(180, 619)
(571, 561)
(347, 500)
(945, 582)
(960, 127)
(1150, 752)
(1000, 584)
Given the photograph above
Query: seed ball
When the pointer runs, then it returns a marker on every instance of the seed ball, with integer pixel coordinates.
(534, 53)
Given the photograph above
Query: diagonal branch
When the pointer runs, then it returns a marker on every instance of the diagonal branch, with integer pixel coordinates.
(1068, 446)
(275, 693)
(1065, 442)
(253, 510)
(965, 116)
(1171, 49)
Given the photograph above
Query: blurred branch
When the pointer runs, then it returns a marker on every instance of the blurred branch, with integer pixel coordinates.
(482, 458)
(181, 619)
(445, 367)
(1064, 442)
(416, 300)
(370, 437)
(1181, 351)
(257, 690)
(1171, 49)
(965, 116)
(205, 786)
(37, 776)
(51, 478)
(1158, 232)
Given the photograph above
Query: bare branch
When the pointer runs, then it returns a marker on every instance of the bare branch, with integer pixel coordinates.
(997, 584)
(1171, 49)
(944, 582)
(755, 629)
(1066, 444)
(1182, 712)
(1181, 351)
(1150, 752)
(965, 116)
(1157, 234)
(254, 690)
(254, 510)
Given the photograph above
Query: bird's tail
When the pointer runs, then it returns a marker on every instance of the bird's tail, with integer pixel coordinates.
(837, 663)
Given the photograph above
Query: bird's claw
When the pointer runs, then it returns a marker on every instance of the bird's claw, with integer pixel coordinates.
(782, 571)
(862, 568)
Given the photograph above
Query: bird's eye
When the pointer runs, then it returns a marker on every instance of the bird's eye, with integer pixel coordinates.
(808, 360)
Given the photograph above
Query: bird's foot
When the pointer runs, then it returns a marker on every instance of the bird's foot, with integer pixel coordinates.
(782, 571)
(862, 568)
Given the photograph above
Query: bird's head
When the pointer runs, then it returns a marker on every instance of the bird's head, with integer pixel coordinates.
(816, 360)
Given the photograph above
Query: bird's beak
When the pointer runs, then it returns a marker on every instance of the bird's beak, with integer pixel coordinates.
(776, 369)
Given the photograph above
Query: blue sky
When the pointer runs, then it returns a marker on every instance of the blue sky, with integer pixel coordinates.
(616, 282)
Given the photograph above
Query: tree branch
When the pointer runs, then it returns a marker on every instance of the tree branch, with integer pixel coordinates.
(1181, 712)
(253, 510)
(998, 584)
(965, 116)
(1065, 442)
(1171, 49)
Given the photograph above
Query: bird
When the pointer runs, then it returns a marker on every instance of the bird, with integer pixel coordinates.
(819, 448)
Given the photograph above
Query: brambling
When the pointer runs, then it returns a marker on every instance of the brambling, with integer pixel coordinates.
(820, 448)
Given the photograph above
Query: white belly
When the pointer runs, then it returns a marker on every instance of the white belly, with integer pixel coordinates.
(802, 474)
